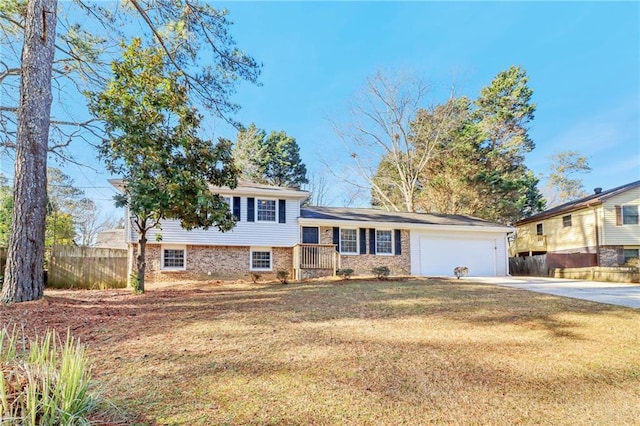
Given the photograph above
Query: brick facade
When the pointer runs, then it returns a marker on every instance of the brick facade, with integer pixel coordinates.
(231, 262)
(214, 262)
(362, 264)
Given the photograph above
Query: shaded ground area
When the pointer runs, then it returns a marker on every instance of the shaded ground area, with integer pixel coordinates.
(353, 352)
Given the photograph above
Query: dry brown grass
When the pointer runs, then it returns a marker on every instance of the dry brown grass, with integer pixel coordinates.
(354, 353)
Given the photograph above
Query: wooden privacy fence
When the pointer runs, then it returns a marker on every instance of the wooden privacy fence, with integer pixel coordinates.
(535, 266)
(544, 265)
(87, 268)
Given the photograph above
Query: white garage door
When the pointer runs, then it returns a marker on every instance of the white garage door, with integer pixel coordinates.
(441, 256)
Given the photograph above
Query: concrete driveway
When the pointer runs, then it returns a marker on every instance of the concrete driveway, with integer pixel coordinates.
(595, 291)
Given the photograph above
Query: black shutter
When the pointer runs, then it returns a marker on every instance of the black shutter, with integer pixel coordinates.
(251, 207)
(236, 208)
(397, 236)
(282, 211)
(363, 241)
(336, 237)
(372, 241)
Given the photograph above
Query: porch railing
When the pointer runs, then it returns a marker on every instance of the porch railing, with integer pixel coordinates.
(530, 243)
(315, 256)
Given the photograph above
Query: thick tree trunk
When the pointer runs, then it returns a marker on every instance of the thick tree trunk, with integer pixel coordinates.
(24, 278)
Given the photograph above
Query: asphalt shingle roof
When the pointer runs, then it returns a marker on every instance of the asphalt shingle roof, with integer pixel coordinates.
(589, 200)
(375, 215)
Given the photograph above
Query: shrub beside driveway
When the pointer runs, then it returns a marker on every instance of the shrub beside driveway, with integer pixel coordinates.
(376, 352)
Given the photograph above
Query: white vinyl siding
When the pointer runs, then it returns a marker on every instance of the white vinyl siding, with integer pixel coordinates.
(269, 234)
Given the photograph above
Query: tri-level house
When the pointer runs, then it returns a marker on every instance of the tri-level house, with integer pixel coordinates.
(274, 232)
(604, 224)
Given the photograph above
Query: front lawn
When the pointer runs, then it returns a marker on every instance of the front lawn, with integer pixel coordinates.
(353, 352)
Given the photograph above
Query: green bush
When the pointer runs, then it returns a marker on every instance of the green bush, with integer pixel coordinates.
(48, 384)
(381, 272)
(283, 276)
(134, 283)
(345, 273)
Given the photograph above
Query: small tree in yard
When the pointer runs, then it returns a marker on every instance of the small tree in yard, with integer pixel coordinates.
(152, 143)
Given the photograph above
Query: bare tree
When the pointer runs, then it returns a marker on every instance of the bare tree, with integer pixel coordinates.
(561, 184)
(382, 128)
(318, 186)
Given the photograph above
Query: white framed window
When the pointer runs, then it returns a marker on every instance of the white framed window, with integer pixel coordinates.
(384, 241)
(260, 259)
(266, 210)
(348, 241)
(566, 221)
(539, 229)
(174, 258)
(630, 215)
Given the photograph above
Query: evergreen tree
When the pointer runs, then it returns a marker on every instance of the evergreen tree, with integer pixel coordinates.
(153, 144)
(272, 160)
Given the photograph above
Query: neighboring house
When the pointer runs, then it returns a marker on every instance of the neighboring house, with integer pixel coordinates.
(274, 232)
(605, 224)
(111, 239)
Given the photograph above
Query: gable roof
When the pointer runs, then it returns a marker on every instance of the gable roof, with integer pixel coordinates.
(588, 201)
(343, 215)
(244, 188)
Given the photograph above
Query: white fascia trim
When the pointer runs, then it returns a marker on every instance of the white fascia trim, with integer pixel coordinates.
(409, 226)
(238, 191)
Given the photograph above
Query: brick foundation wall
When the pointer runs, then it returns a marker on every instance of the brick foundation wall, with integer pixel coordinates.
(215, 262)
(609, 255)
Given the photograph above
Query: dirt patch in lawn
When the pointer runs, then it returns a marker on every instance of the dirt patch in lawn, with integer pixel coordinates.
(351, 352)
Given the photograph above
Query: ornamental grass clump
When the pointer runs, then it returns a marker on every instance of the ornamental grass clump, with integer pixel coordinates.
(46, 384)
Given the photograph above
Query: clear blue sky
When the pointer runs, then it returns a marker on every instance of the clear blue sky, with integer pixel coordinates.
(583, 60)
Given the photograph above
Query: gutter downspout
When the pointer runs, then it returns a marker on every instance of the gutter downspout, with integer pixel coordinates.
(595, 216)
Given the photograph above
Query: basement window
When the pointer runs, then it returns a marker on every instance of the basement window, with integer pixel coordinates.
(260, 259)
(174, 258)
(631, 254)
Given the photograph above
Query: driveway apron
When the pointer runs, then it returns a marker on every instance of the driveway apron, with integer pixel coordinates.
(621, 294)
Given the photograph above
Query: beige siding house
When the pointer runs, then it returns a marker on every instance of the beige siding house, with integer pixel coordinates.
(605, 224)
